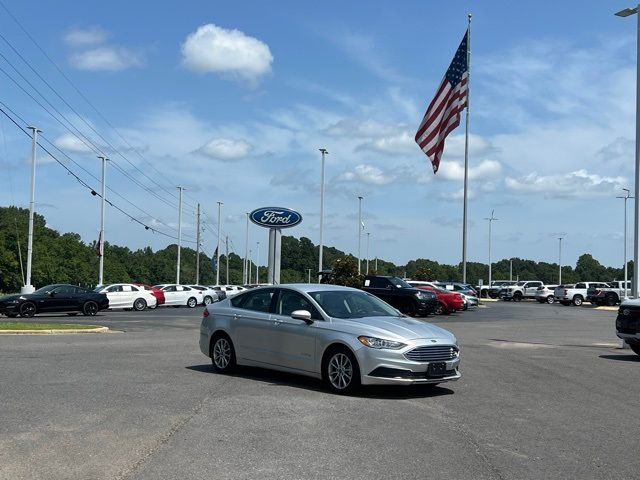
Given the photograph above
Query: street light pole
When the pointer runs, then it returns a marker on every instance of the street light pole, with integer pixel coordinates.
(324, 152)
(258, 263)
(179, 233)
(511, 269)
(359, 228)
(490, 219)
(624, 241)
(218, 247)
(245, 278)
(101, 240)
(636, 224)
(368, 235)
(28, 288)
(559, 260)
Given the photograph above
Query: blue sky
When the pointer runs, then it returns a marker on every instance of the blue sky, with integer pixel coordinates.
(233, 100)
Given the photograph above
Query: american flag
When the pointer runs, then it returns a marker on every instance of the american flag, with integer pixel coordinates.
(443, 114)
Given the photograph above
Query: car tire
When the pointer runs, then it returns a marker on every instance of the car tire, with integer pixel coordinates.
(410, 308)
(90, 308)
(611, 300)
(222, 353)
(340, 371)
(465, 308)
(440, 309)
(635, 347)
(517, 296)
(139, 304)
(550, 299)
(208, 300)
(27, 309)
(577, 300)
(192, 302)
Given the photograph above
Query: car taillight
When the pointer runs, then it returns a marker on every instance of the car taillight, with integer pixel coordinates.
(205, 313)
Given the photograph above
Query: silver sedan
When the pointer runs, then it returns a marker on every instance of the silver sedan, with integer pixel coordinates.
(344, 336)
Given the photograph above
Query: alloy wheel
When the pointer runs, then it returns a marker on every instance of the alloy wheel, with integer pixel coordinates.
(221, 353)
(207, 300)
(340, 371)
(27, 310)
(90, 309)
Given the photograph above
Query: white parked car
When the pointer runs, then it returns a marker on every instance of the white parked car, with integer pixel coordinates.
(126, 295)
(179, 295)
(209, 295)
(229, 290)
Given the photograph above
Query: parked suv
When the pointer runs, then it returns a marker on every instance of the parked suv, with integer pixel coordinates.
(524, 289)
(399, 294)
(544, 293)
(628, 323)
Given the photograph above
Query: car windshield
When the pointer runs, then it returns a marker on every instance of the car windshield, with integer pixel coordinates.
(398, 282)
(352, 304)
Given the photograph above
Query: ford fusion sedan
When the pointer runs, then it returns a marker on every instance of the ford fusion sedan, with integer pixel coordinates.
(54, 298)
(344, 336)
(127, 295)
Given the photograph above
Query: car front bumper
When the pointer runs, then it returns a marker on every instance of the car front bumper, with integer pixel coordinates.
(392, 367)
(9, 309)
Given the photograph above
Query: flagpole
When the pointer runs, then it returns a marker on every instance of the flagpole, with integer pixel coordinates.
(466, 157)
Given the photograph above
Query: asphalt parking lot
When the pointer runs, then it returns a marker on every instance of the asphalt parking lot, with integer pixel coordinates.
(545, 393)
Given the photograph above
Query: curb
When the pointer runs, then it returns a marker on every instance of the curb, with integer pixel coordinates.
(608, 309)
(54, 331)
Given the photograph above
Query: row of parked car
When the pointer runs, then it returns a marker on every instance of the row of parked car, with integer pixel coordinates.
(597, 293)
(72, 299)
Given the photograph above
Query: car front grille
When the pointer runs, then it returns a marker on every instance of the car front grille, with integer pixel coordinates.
(432, 353)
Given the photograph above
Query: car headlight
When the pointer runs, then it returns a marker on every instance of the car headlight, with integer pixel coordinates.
(374, 342)
(423, 296)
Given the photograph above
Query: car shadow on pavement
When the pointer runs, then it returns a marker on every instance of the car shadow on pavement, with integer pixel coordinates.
(622, 358)
(273, 377)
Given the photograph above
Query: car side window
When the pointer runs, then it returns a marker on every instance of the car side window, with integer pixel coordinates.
(186, 289)
(127, 288)
(580, 285)
(65, 289)
(289, 301)
(170, 288)
(114, 288)
(379, 283)
(259, 301)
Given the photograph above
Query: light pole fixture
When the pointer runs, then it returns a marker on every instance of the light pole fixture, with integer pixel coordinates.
(491, 220)
(324, 152)
(624, 241)
(360, 197)
(559, 260)
(636, 224)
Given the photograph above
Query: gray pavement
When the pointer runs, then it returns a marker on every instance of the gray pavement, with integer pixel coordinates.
(544, 394)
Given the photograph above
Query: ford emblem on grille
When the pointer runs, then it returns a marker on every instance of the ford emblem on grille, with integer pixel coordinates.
(626, 311)
(275, 217)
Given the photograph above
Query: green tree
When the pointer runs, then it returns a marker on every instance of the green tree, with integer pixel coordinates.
(345, 272)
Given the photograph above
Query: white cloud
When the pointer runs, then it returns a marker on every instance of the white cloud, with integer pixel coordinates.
(453, 170)
(367, 174)
(106, 58)
(213, 49)
(399, 143)
(574, 184)
(71, 143)
(87, 37)
(226, 149)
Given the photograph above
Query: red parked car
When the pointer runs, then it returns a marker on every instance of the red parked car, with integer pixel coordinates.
(447, 301)
(156, 292)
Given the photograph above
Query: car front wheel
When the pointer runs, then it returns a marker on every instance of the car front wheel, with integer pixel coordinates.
(192, 302)
(27, 309)
(90, 308)
(341, 372)
(550, 299)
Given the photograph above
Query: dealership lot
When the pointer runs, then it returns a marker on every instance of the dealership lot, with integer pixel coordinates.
(545, 393)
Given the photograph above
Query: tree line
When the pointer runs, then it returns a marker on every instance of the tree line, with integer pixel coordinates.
(65, 258)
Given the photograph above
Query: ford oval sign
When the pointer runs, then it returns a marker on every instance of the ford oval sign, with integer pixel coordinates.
(275, 217)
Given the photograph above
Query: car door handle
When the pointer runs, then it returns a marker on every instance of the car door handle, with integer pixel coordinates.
(236, 316)
(277, 322)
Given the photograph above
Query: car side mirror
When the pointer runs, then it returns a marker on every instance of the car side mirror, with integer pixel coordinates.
(51, 294)
(302, 315)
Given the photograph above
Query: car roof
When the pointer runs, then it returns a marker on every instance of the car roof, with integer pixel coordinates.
(312, 287)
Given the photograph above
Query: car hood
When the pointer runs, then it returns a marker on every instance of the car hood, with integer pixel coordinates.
(8, 298)
(392, 328)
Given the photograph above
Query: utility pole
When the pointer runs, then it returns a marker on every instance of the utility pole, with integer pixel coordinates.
(624, 240)
(198, 246)
(359, 229)
(511, 269)
(245, 278)
(559, 260)
(491, 219)
(179, 232)
(258, 264)
(28, 288)
(226, 241)
(249, 268)
(101, 238)
(376, 265)
(218, 247)
(309, 280)
(324, 152)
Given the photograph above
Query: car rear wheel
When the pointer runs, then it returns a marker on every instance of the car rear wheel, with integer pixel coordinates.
(223, 355)
(340, 371)
(611, 300)
(208, 300)
(140, 304)
(27, 309)
(550, 299)
(90, 308)
(577, 300)
(517, 296)
(192, 302)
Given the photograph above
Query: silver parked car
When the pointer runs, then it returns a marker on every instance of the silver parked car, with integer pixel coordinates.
(341, 335)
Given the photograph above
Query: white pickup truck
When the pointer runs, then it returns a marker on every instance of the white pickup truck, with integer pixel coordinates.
(523, 289)
(575, 293)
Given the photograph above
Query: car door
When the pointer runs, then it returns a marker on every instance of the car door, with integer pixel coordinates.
(114, 294)
(252, 325)
(64, 298)
(294, 340)
(171, 295)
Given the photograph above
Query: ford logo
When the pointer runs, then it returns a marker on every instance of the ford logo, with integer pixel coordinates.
(275, 217)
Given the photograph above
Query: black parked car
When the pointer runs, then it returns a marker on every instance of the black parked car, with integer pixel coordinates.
(628, 323)
(54, 298)
(399, 294)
